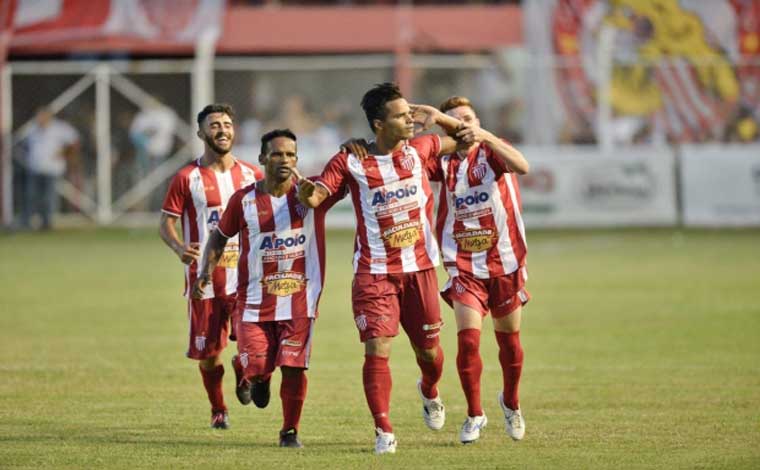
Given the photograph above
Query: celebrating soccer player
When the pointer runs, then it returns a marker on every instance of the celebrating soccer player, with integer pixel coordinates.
(199, 194)
(395, 252)
(482, 237)
(280, 274)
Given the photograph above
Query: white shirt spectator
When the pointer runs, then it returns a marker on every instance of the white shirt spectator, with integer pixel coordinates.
(46, 147)
(156, 125)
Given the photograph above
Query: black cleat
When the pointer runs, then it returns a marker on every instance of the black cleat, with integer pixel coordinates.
(242, 387)
(260, 393)
(289, 438)
(220, 420)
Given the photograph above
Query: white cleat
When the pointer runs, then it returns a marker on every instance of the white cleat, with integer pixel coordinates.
(471, 428)
(514, 422)
(385, 442)
(433, 411)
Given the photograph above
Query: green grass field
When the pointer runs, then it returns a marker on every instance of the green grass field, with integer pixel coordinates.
(642, 351)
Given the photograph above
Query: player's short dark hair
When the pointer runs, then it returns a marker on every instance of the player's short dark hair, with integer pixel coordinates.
(374, 101)
(455, 102)
(271, 135)
(216, 108)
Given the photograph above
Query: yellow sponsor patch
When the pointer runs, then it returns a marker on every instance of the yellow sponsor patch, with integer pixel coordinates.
(229, 259)
(402, 235)
(475, 240)
(284, 283)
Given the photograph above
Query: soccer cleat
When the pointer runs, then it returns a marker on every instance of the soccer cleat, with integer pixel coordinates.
(385, 442)
(260, 393)
(289, 438)
(220, 420)
(514, 422)
(433, 411)
(471, 428)
(242, 387)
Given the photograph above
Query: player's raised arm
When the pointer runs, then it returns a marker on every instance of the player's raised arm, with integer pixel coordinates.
(426, 116)
(187, 253)
(211, 255)
(512, 158)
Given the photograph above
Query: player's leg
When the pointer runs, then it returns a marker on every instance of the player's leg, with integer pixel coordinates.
(508, 297)
(257, 350)
(208, 337)
(294, 351)
(376, 314)
(421, 319)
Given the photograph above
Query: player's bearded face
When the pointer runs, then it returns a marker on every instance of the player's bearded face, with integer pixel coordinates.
(219, 133)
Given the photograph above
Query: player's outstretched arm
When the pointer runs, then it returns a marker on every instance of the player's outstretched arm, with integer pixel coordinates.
(311, 194)
(187, 253)
(425, 116)
(211, 255)
(512, 158)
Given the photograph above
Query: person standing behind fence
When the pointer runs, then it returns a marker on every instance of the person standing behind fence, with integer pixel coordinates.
(51, 143)
(199, 194)
(482, 238)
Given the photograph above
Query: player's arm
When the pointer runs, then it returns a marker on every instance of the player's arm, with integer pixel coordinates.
(426, 116)
(187, 253)
(311, 194)
(512, 158)
(214, 249)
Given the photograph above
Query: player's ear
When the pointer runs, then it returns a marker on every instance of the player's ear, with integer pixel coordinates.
(377, 124)
(262, 159)
(199, 134)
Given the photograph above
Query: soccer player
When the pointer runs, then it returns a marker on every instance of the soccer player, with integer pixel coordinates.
(280, 274)
(482, 237)
(395, 251)
(198, 195)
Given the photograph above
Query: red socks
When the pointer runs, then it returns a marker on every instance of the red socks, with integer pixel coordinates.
(431, 374)
(377, 389)
(511, 359)
(212, 380)
(470, 367)
(293, 394)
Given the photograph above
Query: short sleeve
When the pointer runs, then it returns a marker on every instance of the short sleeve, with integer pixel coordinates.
(232, 217)
(333, 177)
(174, 202)
(428, 146)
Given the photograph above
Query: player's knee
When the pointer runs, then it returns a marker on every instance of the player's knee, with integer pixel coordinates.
(210, 362)
(291, 371)
(427, 355)
(468, 344)
(380, 346)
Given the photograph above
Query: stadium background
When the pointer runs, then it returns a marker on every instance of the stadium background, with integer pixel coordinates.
(641, 343)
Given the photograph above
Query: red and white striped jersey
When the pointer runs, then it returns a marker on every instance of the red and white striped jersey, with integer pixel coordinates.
(479, 225)
(282, 253)
(393, 204)
(199, 195)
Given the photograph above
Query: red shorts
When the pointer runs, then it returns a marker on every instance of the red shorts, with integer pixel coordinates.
(209, 326)
(501, 295)
(263, 346)
(381, 301)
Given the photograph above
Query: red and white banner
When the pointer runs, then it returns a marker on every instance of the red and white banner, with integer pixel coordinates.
(34, 22)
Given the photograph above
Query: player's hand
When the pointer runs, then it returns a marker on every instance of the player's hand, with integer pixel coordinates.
(424, 116)
(199, 286)
(358, 147)
(294, 171)
(306, 188)
(469, 134)
(190, 253)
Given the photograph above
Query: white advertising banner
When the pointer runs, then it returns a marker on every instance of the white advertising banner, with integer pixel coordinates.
(720, 185)
(579, 187)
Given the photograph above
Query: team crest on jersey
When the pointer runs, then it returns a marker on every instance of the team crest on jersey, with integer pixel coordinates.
(478, 171)
(402, 235)
(475, 240)
(200, 343)
(407, 162)
(301, 210)
(284, 283)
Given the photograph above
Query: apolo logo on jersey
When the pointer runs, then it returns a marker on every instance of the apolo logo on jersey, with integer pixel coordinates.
(389, 196)
(273, 242)
(464, 202)
(214, 216)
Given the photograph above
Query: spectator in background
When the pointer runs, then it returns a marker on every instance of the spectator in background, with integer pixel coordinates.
(152, 134)
(51, 144)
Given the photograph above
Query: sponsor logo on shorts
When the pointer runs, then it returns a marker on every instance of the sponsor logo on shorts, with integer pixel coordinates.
(243, 358)
(361, 322)
(432, 326)
(506, 302)
(433, 335)
(291, 342)
(200, 343)
(523, 295)
(288, 352)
